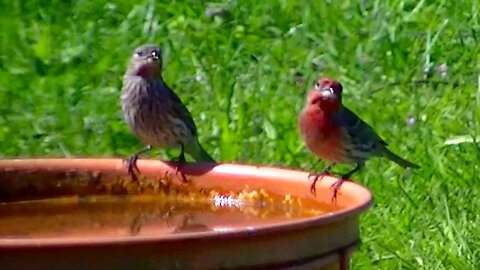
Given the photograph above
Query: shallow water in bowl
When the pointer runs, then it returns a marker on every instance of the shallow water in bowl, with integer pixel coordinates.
(134, 215)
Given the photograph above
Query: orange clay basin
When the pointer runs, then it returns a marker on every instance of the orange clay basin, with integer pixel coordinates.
(90, 214)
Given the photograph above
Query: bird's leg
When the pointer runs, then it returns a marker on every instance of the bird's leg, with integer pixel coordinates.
(181, 157)
(336, 186)
(181, 163)
(132, 162)
(319, 175)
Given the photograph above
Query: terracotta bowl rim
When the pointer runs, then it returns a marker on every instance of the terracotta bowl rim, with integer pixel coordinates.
(353, 210)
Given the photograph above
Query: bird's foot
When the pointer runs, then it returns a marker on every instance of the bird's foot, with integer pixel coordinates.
(179, 170)
(336, 187)
(179, 163)
(132, 166)
(317, 177)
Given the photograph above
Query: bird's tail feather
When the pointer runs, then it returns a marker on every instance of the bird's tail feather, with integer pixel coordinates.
(198, 153)
(400, 161)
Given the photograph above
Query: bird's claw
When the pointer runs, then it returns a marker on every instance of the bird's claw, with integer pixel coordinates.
(132, 166)
(313, 189)
(314, 182)
(316, 177)
(335, 187)
(180, 162)
(182, 175)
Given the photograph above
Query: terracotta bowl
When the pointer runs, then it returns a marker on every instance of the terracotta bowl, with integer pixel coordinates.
(321, 242)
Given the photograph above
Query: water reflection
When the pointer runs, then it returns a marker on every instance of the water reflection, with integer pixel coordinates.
(130, 216)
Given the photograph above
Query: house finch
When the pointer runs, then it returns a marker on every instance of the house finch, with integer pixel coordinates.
(334, 133)
(154, 112)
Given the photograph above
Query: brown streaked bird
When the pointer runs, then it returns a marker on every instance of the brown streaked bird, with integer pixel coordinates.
(335, 134)
(153, 112)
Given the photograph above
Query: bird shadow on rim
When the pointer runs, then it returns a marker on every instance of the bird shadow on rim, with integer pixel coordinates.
(195, 169)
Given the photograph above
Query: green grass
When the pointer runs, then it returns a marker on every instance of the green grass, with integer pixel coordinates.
(244, 76)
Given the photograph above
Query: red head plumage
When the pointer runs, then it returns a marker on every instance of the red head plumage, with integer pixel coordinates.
(327, 93)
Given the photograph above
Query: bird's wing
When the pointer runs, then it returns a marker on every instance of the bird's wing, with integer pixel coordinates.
(182, 111)
(359, 132)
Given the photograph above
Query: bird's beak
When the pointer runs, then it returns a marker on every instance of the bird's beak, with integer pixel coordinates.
(328, 93)
(154, 57)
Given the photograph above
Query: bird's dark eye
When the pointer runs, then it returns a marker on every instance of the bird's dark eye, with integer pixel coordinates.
(155, 53)
(317, 85)
(331, 90)
(139, 53)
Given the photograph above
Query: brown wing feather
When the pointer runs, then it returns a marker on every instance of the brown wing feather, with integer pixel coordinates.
(182, 111)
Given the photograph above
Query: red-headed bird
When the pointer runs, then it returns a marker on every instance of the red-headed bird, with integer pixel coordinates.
(154, 112)
(335, 134)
